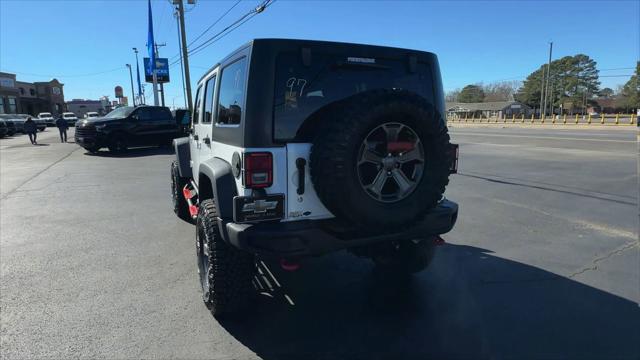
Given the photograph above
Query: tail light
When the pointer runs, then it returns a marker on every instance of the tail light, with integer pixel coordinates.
(258, 170)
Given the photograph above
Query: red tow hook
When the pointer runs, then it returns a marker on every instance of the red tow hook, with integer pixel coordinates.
(193, 211)
(188, 195)
(438, 240)
(289, 265)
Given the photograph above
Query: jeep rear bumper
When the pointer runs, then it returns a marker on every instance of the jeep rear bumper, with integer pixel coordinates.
(309, 238)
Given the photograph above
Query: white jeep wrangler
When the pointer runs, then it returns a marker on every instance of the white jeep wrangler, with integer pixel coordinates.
(299, 148)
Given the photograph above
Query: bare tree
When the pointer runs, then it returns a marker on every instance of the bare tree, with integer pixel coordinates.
(500, 91)
(452, 96)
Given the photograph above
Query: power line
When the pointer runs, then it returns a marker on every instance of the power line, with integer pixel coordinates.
(628, 68)
(236, 24)
(209, 28)
(212, 40)
(214, 23)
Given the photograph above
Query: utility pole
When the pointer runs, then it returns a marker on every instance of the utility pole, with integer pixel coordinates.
(184, 91)
(542, 91)
(161, 84)
(133, 93)
(546, 91)
(187, 77)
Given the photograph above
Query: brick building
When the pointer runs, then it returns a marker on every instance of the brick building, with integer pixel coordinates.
(19, 97)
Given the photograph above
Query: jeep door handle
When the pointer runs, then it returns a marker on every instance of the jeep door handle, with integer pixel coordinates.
(195, 137)
(207, 141)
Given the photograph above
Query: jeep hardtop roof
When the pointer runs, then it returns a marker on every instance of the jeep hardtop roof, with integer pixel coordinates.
(286, 44)
(256, 127)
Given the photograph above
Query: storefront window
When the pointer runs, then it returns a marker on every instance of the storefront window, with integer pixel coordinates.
(1, 105)
(12, 105)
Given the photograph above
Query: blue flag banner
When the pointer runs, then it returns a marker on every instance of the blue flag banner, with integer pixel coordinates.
(150, 42)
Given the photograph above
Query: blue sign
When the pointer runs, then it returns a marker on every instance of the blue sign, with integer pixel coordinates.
(162, 70)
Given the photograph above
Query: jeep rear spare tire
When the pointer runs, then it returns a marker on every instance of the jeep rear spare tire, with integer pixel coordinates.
(381, 159)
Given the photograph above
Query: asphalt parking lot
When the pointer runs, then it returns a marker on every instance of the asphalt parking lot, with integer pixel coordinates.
(543, 262)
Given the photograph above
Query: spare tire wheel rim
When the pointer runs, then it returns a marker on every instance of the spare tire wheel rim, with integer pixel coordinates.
(390, 162)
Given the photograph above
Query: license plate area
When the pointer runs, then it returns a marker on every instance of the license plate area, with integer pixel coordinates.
(262, 208)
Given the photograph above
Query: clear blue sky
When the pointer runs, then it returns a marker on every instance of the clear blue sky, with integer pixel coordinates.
(476, 41)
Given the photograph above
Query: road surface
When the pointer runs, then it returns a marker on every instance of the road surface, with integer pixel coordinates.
(543, 262)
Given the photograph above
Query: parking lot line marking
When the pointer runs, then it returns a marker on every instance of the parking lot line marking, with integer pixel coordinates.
(542, 137)
(601, 228)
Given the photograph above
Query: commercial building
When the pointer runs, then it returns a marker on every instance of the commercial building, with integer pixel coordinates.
(496, 109)
(19, 97)
(80, 107)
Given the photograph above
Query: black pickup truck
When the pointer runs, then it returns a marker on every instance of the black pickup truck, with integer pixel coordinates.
(128, 126)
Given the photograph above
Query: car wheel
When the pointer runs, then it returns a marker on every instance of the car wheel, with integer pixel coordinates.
(226, 273)
(117, 144)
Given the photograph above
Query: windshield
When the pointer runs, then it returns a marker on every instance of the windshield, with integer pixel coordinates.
(68, 115)
(120, 112)
(43, 115)
(92, 115)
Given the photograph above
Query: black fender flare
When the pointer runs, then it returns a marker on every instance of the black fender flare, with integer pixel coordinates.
(183, 156)
(223, 185)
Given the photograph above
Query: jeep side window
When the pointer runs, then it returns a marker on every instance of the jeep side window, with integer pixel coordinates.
(232, 91)
(196, 107)
(209, 100)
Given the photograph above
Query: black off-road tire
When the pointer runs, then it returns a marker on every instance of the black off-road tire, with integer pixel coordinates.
(406, 257)
(335, 150)
(180, 206)
(226, 273)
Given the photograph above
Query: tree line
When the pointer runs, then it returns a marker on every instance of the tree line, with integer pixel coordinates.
(573, 86)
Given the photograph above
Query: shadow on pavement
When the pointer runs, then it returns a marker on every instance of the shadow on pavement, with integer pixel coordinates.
(469, 304)
(134, 152)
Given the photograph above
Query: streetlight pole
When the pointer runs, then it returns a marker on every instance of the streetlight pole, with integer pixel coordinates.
(140, 91)
(133, 94)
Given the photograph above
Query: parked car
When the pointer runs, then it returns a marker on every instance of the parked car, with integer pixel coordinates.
(352, 152)
(70, 117)
(47, 118)
(127, 126)
(91, 115)
(11, 126)
(3, 128)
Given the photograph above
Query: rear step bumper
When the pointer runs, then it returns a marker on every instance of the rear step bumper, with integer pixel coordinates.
(308, 238)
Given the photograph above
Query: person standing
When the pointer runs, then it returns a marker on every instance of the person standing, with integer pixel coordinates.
(31, 129)
(62, 125)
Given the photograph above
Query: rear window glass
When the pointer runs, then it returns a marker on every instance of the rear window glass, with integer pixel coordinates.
(302, 90)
